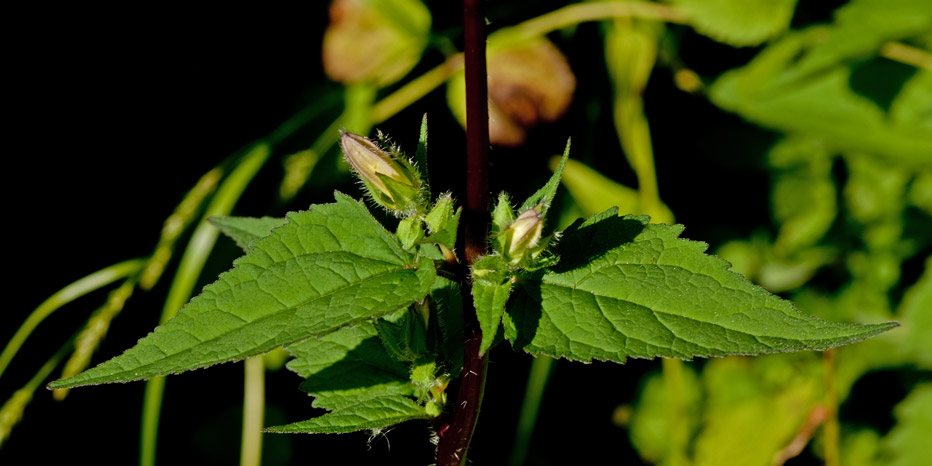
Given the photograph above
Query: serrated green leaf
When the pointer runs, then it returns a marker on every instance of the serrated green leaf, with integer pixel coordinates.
(383, 411)
(907, 444)
(442, 222)
(627, 288)
(245, 230)
(739, 22)
(545, 195)
(489, 299)
(331, 266)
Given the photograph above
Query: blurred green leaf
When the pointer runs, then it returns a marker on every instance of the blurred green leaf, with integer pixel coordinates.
(755, 407)
(804, 197)
(801, 83)
(739, 22)
(908, 444)
(650, 422)
(916, 312)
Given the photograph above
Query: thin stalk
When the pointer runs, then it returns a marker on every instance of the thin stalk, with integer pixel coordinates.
(455, 436)
(679, 436)
(533, 394)
(192, 262)
(907, 54)
(253, 412)
(12, 410)
(830, 430)
(81, 287)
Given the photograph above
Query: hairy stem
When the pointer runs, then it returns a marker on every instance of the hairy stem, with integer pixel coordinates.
(830, 430)
(455, 436)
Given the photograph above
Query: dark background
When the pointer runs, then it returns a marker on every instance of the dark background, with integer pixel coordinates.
(112, 115)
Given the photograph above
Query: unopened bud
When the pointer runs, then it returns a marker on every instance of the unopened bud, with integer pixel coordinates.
(391, 180)
(523, 234)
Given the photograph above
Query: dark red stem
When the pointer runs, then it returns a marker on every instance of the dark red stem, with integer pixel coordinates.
(456, 434)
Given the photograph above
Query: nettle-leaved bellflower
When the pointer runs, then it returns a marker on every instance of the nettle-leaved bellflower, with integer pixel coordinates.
(389, 177)
(522, 235)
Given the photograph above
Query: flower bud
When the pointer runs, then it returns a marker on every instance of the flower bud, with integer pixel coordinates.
(391, 179)
(522, 234)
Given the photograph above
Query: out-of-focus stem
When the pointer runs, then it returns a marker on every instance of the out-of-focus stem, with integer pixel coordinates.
(94, 281)
(676, 411)
(533, 394)
(907, 54)
(189, 269)
(830, 430)
(253, 412)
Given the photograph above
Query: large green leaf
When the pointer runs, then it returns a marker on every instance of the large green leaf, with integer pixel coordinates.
(625, 287)
(327, 268)
(374, 413)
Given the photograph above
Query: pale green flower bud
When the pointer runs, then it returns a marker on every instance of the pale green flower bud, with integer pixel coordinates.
(523, 234)
(390, 178)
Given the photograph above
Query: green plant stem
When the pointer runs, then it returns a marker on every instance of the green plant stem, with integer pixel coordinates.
(907, 54)
(192, 262)
(457, 434)
(533, 394)
(253, 412)
(679, 436)
(12, 410)
(830, 428)
(81, 287)
(597, 11)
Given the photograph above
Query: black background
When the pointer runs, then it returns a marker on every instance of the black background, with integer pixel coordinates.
(114, 113)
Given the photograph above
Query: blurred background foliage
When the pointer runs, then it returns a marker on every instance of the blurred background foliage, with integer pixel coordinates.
(794, 137)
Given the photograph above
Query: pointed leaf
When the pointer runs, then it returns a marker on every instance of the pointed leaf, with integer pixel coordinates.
(545, 195)
(383, 411)
(625, 287)
(245, 230)
(489, 299)
(328, 267)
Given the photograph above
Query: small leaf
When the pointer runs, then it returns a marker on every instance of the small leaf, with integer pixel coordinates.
(442, 222)
(447, 302)
(489, 299)
(245, 230)
(331, 266)
(545, 195)
(383, 411)
(594, 193)
(627, 288)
